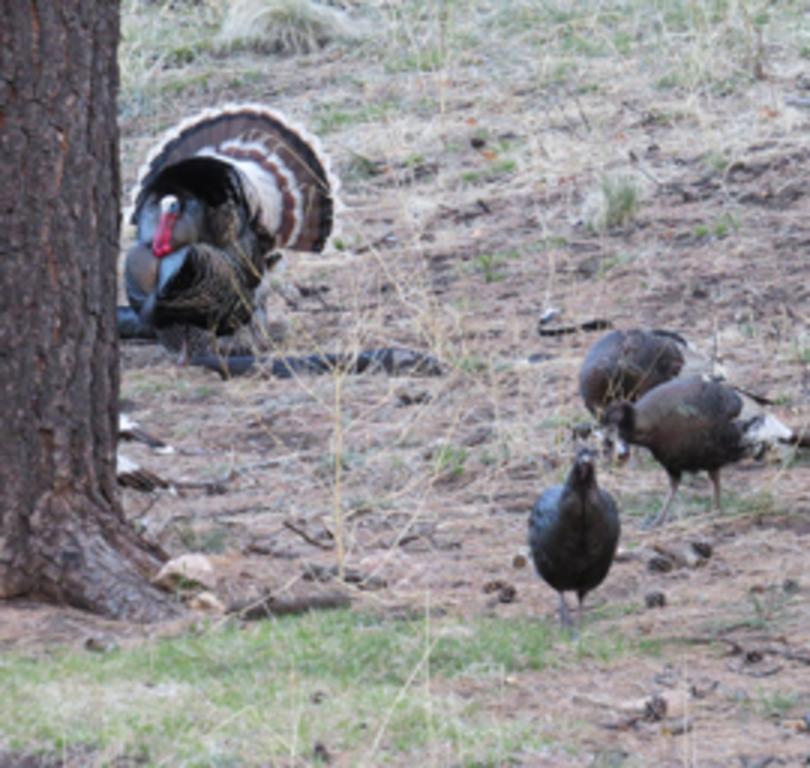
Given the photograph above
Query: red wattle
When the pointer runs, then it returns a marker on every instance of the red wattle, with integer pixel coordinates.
(162, 241)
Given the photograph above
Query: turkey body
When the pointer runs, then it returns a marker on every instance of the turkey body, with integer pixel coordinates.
(218, 196)
(624, 365)
(574, 530)
(689, 424)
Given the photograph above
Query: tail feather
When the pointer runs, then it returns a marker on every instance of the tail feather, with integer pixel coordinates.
(765, 429)
(800, 438)
(286, 178)
(765, 432)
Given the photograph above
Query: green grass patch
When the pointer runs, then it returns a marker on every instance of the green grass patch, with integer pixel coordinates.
(777, 704)
(246, 696)
(720, 228)
(621, 200)
(488, 264)
(333, 117)
(449, 460)
(426, 60)
(496, 170)
(609, 263)
(691, 502)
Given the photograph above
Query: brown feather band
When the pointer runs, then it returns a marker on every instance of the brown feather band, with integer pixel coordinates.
(285, 164)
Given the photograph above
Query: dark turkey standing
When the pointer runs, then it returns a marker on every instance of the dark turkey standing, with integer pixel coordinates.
(217, 197)
(696, 423)
(624, 365)
(573, 533)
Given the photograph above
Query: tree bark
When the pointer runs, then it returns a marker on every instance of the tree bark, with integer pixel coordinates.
(63, 535)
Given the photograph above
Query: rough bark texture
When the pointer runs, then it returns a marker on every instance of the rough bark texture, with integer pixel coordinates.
(62, 533)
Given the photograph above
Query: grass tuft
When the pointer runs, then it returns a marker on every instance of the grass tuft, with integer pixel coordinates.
(282, 26)
(615, 204)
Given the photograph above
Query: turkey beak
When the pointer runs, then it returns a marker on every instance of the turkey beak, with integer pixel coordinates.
(585, 462)
(621, 451)
(613, 447)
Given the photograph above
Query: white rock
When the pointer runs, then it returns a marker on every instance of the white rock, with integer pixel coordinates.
(208, 602)
(189, 569)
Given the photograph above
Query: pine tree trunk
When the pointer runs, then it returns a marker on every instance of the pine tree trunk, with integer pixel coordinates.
(62, 532)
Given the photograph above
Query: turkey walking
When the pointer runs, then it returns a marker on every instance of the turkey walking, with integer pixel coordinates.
(573, 533)
(220, 193)
(697, 423)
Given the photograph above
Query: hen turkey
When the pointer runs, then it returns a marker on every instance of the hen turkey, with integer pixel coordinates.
(624, 365)
(219, 194)
(573, 534)
(696, 423)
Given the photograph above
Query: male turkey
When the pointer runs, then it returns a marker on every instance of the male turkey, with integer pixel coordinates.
(219, 194)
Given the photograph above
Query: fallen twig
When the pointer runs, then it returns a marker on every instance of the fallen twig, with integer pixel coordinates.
(285, 606)
(563, 330)
(290, 525)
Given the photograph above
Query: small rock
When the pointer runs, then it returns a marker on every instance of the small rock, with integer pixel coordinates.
(655, 708)
(184, 571)
(519, 561)
(680, 727)
(100, 644)
(681, 555)
(703, 548)
(655, 599)
(627, 555)
(507, 594)
(581, 431)
(493, 586)
(322, 573)
(413, 397)
(321, 753)
(700, 690)
(754, 663)
(478, 436)
(677, 703)
(550, 314)
(206, 601)
(790, 586)
(659, 564)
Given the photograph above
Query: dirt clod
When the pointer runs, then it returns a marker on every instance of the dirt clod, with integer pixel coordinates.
(655, 599)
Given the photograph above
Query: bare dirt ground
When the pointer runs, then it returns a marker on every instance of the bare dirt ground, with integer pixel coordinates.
(452, 250)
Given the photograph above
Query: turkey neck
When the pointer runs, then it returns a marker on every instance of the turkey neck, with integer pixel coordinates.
(641, 429)
(582, 493)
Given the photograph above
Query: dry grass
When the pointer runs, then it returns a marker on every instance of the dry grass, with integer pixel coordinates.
(282, 26)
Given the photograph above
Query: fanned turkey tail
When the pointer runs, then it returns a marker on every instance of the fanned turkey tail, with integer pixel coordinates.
(219, 194)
